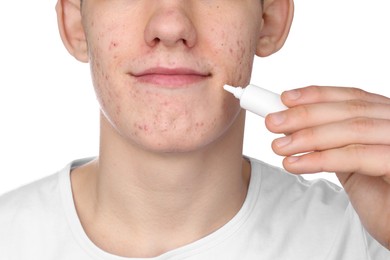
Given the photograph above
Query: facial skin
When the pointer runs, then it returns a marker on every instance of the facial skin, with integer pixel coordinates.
(131, 44)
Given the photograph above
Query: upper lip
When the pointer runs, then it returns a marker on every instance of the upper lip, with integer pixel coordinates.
(170, 71)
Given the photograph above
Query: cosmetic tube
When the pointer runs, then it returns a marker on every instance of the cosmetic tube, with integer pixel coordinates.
(257, 100)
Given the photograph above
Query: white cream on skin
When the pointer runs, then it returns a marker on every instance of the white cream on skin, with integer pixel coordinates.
(257, 100)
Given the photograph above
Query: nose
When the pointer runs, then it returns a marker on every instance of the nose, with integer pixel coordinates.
(170, 26)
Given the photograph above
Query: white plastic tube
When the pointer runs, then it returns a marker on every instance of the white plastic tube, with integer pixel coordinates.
(257, 100)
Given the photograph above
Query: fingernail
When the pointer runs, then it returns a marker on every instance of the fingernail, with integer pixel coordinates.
(292, 94)
(283, 141)
(292, 159)
(277, 118)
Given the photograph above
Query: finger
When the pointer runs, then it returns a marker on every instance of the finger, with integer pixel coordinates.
(335, 135)
(318, 94)
(304, 116)
(371, 160)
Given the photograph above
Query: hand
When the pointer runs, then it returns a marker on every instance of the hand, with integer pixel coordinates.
(346, 131)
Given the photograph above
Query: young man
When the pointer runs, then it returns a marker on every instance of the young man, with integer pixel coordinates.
(170, 181)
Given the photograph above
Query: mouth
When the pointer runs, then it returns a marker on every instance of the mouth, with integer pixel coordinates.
(170, 77)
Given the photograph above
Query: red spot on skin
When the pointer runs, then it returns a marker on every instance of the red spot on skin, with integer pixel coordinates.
(198, 125)
(113, 45)
(144, 128)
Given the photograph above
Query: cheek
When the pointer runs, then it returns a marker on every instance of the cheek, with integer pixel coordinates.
(104, 52)
(243, 54)
(104, 83)
(236, 49)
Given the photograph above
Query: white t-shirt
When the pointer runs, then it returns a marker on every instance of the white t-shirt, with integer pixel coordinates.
(283, 217)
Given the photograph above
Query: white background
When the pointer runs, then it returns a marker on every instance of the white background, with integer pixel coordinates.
(48, 111)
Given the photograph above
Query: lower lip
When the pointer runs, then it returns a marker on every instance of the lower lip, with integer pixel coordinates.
(171, 80)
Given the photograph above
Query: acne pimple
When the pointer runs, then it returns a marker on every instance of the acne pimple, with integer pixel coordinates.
(141, 127)
(113, 45)
(199, 124)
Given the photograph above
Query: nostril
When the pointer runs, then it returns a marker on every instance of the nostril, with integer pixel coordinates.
(154, 42)
(170, 28)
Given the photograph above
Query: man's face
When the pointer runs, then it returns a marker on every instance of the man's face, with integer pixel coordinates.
(158, 67)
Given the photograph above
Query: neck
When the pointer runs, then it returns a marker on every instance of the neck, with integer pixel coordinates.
(188, 194)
